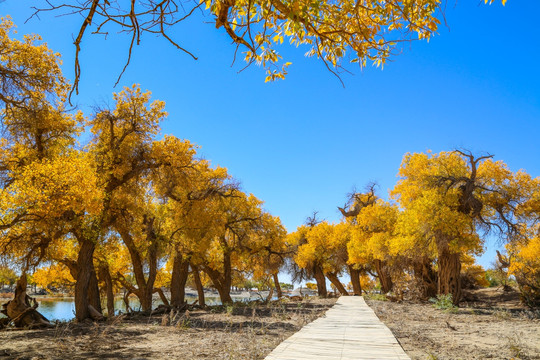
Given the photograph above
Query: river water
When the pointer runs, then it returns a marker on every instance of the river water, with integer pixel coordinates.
(63, 309)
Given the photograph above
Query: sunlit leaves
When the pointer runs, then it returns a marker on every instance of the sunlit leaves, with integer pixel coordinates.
(29, 71)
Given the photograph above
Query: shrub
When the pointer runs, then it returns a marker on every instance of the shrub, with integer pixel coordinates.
(444, 302)
(525, 267)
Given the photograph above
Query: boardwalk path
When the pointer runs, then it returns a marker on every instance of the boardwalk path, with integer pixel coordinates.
(349, 330)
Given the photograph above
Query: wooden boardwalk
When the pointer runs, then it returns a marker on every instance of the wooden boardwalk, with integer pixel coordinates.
(349, 330)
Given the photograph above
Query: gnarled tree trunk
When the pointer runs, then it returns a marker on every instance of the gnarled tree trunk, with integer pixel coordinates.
(20, 311)
(449, 273)
(383, 274)
(334, 280)
(355, 280)
(426, 278)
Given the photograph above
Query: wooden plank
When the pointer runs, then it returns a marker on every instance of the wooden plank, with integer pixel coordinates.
(350, 330)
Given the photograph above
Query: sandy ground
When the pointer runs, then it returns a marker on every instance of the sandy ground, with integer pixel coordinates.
(247, 332)
(492, 326)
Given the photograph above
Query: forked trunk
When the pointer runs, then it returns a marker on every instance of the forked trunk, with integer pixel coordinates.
(334, 280)
(221, 284)
(449, 274)
(321, 281)
(145, 285)
(355, 280)
(383, 274)
(224, 294)
(276, 284)
(180, 272)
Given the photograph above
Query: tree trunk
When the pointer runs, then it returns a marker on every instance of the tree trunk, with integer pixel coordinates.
(126, 300)
(321, 281)
(105, 276)
(198, 285)
(355, 280)
(20, 311)
(384, 276)
(180, 272)
(84, 285)
(94, 298)
(426, 278)
(162, 296)
(270, 295)
(145, 286)
(224, 294)
(334, 280)
(276, 284)
(449, 274)
(220, 285)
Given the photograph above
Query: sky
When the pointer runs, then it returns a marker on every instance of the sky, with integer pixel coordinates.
(303, 143)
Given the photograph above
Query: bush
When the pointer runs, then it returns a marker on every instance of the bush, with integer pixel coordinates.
(525, 267)
(375, 296)
(444, 302)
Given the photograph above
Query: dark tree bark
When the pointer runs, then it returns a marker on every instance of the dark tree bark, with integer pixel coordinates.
(198, 285)
(334, 280)
(222, 282)
(180, 272)
(84, 287)
(449, 273)
(20, 311)
(321, 281)
(94, 298)
(384, 276)
(355, 280)
(276, 284)
(145, 285)
(162, 296)
(105, 276)
(426, 278)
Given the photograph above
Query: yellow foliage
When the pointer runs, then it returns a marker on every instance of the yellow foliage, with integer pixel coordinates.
(525, 266)
(55, 275)
(367, 282)
(373, 233)
(323, 244)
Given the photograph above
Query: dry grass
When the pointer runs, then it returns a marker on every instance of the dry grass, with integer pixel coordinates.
(493, 326)
(235, 332)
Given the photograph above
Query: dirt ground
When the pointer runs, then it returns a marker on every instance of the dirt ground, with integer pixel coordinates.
(491, 325)
(239, 332)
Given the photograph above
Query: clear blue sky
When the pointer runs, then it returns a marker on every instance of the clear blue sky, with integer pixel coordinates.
(303, 143)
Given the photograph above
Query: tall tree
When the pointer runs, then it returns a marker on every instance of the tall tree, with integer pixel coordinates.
(453, 196)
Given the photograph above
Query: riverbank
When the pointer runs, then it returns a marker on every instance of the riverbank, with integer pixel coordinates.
(59, 306)
(240, 331)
